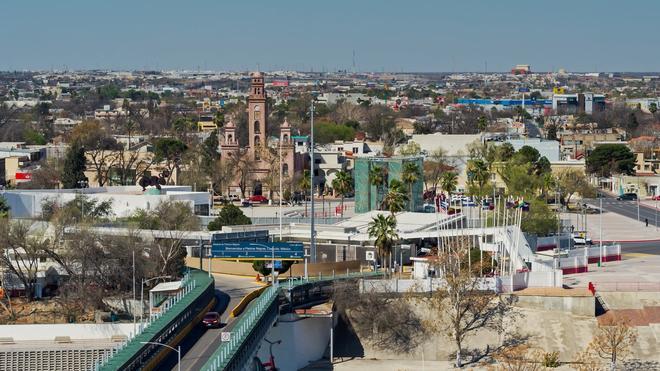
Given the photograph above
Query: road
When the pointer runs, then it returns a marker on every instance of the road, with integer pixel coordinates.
(625, 208)
(200, 343)
(629, 209)
(532, 129)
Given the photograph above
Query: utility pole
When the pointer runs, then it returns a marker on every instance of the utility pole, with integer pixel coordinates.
(280, 211)
(312, 243)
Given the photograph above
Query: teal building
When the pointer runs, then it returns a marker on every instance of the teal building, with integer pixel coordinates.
(368, 196)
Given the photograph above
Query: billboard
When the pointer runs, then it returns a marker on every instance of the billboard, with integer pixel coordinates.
(257, 250)
(23, 176)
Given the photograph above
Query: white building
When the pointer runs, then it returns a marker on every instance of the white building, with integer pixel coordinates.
(126, 200)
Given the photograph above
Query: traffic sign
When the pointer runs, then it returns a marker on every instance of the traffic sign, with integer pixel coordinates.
(258, 250)
(278, 265)
(523, 90)
(225, 337)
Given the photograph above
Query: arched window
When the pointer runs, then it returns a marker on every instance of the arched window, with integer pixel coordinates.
(285, 169)
(230, 138)
(285, 138)
(256, 127)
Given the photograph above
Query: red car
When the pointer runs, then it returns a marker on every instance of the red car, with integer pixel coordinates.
(656, 198)
(211, 320)
(259, 198)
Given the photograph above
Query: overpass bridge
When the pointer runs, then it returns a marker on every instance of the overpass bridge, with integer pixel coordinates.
(249, 330)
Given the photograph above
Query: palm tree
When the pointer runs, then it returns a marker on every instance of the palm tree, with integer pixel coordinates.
(448, 182)
(378, 178)
(409, 175)
(342, 184)
(479, 175)
(304, 184)
(383, 229)
(395, 199)
(547, 182)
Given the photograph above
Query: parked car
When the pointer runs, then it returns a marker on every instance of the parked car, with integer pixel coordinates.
(259, 198)
(246, 203)
(656, 198)
(211, 320)
(234, 197)
(580, 238)
(627, 197)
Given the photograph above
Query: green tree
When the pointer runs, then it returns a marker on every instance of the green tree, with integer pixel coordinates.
(551, 132)
(4, 207)
(328, 132)
(505, 152)
(482, 123)
(478, 178)
(304, 185)
(82, 209)
(229, 215)
(378, 178)
(410, 149)
(210, 152)
(527, 154)
(409, 175)
(73, 171)
(571, 182)
(343, 185)
(608, 159)
(519, 179)
(539, 220)
(448, 182)
(170, 151)
(395, 199)
(383, 229)
(653, 108)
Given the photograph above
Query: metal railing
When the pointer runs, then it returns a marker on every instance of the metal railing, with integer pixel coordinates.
(252, 317)
(193, 285)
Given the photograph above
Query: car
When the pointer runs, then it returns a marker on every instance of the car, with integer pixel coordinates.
(580, 238)
(627, 197)
(246, 203)
(211, 320)
(234, 197)
(656, 198)
(259, 198)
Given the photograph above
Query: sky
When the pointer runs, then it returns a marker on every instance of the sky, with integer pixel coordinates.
(394, 36)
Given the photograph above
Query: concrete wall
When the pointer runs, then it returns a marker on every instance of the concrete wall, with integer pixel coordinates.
(298, 269)
(629, 300)
(303, 340)
(74, 331)
(578, 305)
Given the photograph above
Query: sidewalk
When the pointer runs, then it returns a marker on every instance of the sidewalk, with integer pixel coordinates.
(615, 227)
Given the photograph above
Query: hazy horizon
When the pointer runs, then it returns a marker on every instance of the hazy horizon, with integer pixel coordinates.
(418, 36)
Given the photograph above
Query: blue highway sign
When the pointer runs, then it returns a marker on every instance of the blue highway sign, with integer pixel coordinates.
(258, 250)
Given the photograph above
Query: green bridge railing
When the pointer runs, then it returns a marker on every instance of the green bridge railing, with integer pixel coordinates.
(134, 352)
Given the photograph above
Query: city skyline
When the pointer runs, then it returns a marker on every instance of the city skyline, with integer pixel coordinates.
(471, 36)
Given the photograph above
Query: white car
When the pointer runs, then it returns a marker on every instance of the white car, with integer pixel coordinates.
(581, 239)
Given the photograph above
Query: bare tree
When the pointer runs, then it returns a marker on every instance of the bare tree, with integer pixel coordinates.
(20, 253)
(100, 147)
(612, 342)
(243, 164)
(176, 219)
(464, 303)
(131, 164)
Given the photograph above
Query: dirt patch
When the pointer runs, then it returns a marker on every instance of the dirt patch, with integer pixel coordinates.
(42, 311)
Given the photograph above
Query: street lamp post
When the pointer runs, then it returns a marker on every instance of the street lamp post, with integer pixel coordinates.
(312, 243)
(600, 242)
(280, 208)
(177, 350)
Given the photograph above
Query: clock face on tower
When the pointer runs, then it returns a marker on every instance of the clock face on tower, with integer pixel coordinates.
(257, 108)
